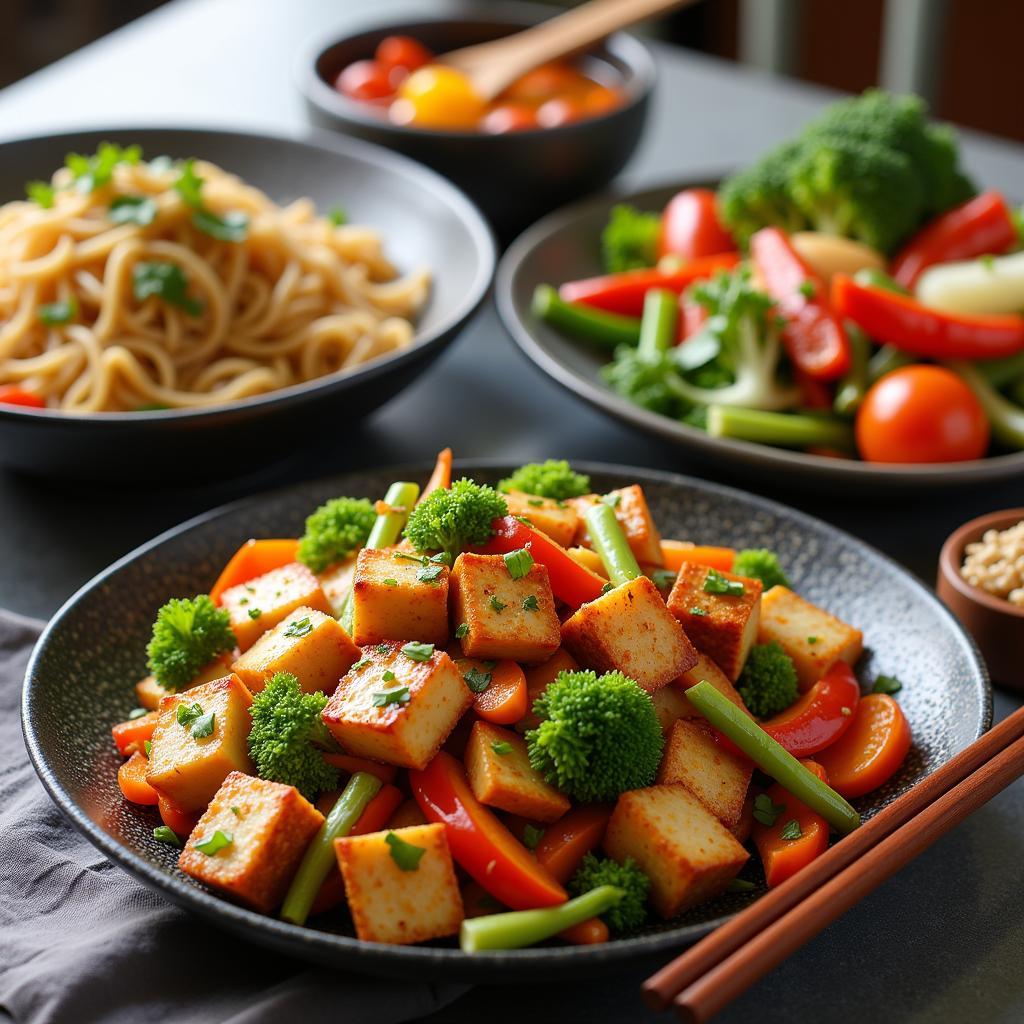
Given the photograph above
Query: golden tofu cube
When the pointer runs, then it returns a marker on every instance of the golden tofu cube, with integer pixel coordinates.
(812, 637)
(631, 630)
(149, 692)
(716, 777)
(270, 826)
(392, 602)
(396, 905)
(538, 678)
(687, 853)
(634, 517)
(391, 708)
(501, 776)
(557, 519)
(670, 704)
(310, 645)
(189, 770)
(504, 617)
(707, 669)
(263, 602)
(336, 583)
(721, 626)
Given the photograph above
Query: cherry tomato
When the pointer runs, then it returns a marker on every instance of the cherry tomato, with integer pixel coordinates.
(545, 82)
(366, 81)
(402, 52)
(560, 110)
(509, 117)
(13, 395)
(438, 97)
(690, 226)
(921, 413)
(599, 99)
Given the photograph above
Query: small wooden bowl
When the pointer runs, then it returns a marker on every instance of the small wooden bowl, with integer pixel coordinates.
(996, 625)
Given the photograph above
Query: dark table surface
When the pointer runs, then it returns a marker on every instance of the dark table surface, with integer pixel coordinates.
(944, 940)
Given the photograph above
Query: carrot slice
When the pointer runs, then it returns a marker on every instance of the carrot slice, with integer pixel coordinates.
(351, 764)
(178, 821)
(131, 735)
(505, 699)
(567, 841)
(677, 552)
(871, 750)
(441, 477)
(252, 559)
(131, 777)
(586, 933)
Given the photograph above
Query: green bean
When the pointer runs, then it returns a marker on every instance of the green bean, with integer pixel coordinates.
(885, 360)
(852, 387)
(610, 543)
(606, 330)
(788, 430)
(658, 324)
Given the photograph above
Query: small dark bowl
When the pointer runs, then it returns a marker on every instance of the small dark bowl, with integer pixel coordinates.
(424, 222)
(996, 625)
(514, 178)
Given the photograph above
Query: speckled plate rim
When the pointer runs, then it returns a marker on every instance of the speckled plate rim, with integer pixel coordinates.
(427, 961)
(846, 472)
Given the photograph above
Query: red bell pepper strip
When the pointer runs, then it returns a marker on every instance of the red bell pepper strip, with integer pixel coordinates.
(252, 559)
(814, 336)
(820, 716)
(479, 842)
(13, 395)
(690, 226)
(131, 735)
(981, 226)
(624, 293)
(902, 322)
(570, 581)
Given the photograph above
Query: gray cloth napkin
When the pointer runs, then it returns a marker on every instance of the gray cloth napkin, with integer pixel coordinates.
(82, 941)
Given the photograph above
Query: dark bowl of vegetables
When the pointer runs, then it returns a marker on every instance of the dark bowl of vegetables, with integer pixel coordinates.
(845, 310)
(515, 172)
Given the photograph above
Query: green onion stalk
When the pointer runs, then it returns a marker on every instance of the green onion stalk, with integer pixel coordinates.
(658, 325)
(605, 330)
(786, 430)
(610, 543)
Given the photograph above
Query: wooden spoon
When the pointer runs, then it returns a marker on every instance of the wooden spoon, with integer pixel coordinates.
(494, 66)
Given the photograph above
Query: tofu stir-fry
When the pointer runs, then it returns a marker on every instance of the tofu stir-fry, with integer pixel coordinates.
(507, 714)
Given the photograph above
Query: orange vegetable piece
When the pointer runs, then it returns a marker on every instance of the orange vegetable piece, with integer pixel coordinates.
(676, 552)
(871, 750)
(131, 777)
(131, 735)
(504, 701)
(351, 764)
(567, 841)
(178, 821)
(252, 559)
(441, 477)
(586, 933)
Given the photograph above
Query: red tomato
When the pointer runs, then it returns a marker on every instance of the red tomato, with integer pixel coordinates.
(366, 81)
(402, 52)
(509, 117)
(13, 395)
(545, 82)
(690, 226)
(560, 110)
(921, 413)
(600, 99)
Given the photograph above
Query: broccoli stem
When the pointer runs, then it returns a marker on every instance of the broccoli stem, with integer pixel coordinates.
(520, 928)
(1005, 418)
(658, 324)
(787, 430)
(852, 387)
(361, 789)
(606, 330)
(885, 360)
(610, 543)
(771, 757)
(400, 498)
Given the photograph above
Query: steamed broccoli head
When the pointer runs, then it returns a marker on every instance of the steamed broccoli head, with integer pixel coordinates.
(552, 479)
(631, 911)
(288, 737)
(630, 239)
(760, 564)
(768, 681)
(187, 635)
(599, 736)
(453, 519)
(759, 196)
(335, 530)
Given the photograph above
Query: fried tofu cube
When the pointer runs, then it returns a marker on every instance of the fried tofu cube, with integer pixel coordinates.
(670, 704)
(687, 853)
(501, 776)
(722, 626)
(706, 669)
(189, 770)
(336, 583)
(634, 517)
(504, 617)
(631, 630)
(263, 602)
(557, 519)
(310, 645)
(397, 598)
(270, 826)
(812, 637)
(391, 708)
(149, 692)
(392, 901)
(716, 777)
(538, 678)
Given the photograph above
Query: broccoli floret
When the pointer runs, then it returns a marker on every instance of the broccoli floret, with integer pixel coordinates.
(760, 564)
(599, 736)
(630, 239)
(288, 737)
(552, 479)
(631, 911)
(453, 519)
(187, 635)
(768, 683)
(335, 530)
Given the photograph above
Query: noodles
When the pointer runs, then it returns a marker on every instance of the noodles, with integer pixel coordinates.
(129, 285)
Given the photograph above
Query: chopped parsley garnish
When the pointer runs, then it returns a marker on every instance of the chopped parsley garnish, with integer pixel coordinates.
(390, 582)
(536, 502)
(792, 830)
(383, 648)
(236, 812)
(198, 722)
(612, 500)
(765, 811)
(530, 603)
(42, 193)
(532, 836)
(887, 684)
(164, 834)
(388, 675)
(203, 725)
(139, 210)
(54, 313)
(429, 573)
(136, 713)
(716, 583)
(461, 630)
(299, 627)
(518, 563)
(502, 747)
(812, 640)
(525, 520)
(476, 680)
(337, 216)
(232, 227)
(698, 611)
(418, 652)
(188, 713)
(807, 289)
(217, 842)
(441, 558)
(608, 587)
(404, 854)
(400, 695)
(147, 746)
(361, 663)
(166, 281)
(255, 613)
(92, 172)
(189, 185)
(405, 556)
(498, 605)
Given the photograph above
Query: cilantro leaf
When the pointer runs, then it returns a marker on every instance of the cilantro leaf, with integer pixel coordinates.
(167, 281)
(404, 854)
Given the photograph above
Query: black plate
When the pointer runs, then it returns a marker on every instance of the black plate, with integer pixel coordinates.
(424, 220)
(79, 682)
(565, 246)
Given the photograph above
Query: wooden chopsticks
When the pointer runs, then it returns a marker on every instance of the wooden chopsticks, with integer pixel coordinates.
(709, 975)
